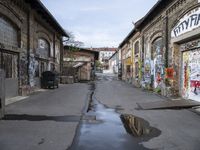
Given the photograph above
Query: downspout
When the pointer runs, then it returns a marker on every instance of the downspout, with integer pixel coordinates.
(61, 55)
(166, 42)
(28, 46)
(54, 48)
(142, 60)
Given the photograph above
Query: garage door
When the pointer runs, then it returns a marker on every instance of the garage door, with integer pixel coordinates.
(191, 75)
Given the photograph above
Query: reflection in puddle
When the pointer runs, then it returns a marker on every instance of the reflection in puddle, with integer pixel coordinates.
(135, 126)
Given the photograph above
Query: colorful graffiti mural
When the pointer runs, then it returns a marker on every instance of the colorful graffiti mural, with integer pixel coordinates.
(191, 75)
(33, 65)
(147, 71)
(169, 73)
(154, 64)
(158, 62)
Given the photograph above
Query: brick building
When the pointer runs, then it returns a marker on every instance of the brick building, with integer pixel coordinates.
(30, 43)
(165, 49)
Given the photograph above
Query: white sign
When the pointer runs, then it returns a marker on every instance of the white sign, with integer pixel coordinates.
(189, 22)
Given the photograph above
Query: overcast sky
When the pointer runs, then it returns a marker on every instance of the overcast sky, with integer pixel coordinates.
(98, 23)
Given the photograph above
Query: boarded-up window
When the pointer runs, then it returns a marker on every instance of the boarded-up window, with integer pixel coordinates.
(8, 33)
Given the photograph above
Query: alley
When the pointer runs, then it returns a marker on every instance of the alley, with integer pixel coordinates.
(87, 115)
(99, 75)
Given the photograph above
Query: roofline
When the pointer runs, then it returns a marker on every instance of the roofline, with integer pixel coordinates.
(141, 21)
(127, 38)
(96, 53)
(62, 31)
(149, 12)
(84, 49)
(156, 6)
(114, 54)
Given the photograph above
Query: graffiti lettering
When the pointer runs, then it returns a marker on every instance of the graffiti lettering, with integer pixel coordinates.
(194, 83)
(187, 23)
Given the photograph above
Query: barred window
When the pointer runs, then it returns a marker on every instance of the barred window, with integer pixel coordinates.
(8, 33)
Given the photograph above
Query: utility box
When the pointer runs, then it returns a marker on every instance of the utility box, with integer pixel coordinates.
(2, 93)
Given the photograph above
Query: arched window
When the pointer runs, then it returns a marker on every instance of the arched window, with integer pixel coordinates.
(43, 49)
(8, 33)
(137, 47)
(157, 48)
(157, 55)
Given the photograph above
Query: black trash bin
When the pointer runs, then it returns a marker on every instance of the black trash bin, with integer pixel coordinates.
(49, 79)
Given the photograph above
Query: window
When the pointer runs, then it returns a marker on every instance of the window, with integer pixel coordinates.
(157, 48)
(136, 69)
(8, 33)
(43, 49)
(128, 69)
(57, 53)
(8, 62)
(136, 47)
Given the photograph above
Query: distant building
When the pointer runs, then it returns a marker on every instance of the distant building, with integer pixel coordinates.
(79, 63)
(104, 55)
(114, 63)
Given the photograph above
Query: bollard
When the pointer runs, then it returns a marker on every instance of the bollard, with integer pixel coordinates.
(2, 93)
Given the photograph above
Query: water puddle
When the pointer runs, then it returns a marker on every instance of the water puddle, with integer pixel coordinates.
(110, 130)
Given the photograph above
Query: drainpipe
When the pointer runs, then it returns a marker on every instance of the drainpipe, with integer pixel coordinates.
(54, 48)
(142, 60)
(166, 42)
(61, 55)
(28, 45)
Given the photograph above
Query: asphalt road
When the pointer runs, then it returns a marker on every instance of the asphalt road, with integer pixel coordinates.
(55, 119)
(44, 121)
